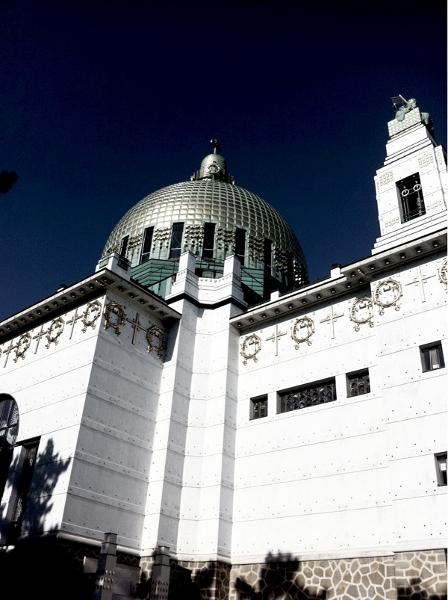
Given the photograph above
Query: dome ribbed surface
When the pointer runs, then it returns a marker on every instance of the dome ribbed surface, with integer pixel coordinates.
(197, 202)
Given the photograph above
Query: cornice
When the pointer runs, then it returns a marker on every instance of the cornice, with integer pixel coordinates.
(79, 293)
(346, 280)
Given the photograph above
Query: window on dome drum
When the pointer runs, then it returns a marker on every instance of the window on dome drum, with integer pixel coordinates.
(267, 254)
(147, 244)
(440, 459)
(240, 244)
(432, 357)
(411, 198)
(209, 240)
(124, 245)
(259, 407)
(310, 394)
(176, 240)
(358, 383)
(22, 485)
(290, 269)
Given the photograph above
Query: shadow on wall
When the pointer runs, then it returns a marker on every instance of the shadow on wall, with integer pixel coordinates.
(38, 501)
(33, 478)
(39, 566)
(277, 579)
(415, 592)
(44, 568)
(186, 586)
(183, 584)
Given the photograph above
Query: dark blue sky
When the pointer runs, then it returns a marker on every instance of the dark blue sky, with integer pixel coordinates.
(105, 102)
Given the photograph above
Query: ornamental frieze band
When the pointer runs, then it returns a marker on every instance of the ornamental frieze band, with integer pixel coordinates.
(114, 319)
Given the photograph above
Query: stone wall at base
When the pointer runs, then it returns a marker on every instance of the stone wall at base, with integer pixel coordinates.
(421, 575)
(190, 580)
(418, 575)
(406, 575)
(351, 579)
(199, 580)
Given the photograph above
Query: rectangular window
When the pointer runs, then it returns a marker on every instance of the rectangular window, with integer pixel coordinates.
(6, 454)
(432, 357)
(440, 459)
(290, 269)
(267, 254)
(240, 244)
(9, 426)
(209, 240)
(259, 407)
(358, 383)
(176, 240)
(147, 244)
(310, 394)
(124, 245)
(411, 198)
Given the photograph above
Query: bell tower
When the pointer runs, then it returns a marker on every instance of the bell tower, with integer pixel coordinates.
(411, 187)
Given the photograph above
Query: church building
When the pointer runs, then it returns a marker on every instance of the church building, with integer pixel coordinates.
(196, 419)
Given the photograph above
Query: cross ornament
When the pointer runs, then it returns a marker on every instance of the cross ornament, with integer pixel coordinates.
(72, 322)
(330, 319)
(38, 337)
(136, 325)
(8, 351)
(420, 280)
(275, 337)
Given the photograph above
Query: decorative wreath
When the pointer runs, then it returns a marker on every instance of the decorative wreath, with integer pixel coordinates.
(250, 347)
(442, 272)
(91, 315)
(55, 331)
(156, 340)
(302, 330)
(365, 305)
(22, 346)
(114, 317)
(389, 285)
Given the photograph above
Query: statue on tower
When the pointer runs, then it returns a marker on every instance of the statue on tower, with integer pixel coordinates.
(403, 106)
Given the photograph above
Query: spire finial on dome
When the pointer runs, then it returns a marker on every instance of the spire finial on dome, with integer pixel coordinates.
(213, 166)
(215, 145)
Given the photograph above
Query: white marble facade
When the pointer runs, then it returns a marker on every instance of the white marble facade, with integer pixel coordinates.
(143, 406)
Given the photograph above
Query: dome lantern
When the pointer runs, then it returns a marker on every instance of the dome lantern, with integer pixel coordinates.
(213, 166)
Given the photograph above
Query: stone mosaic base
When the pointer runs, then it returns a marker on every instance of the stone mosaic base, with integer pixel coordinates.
(421, 575)
(353, 579)
(404, 576)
